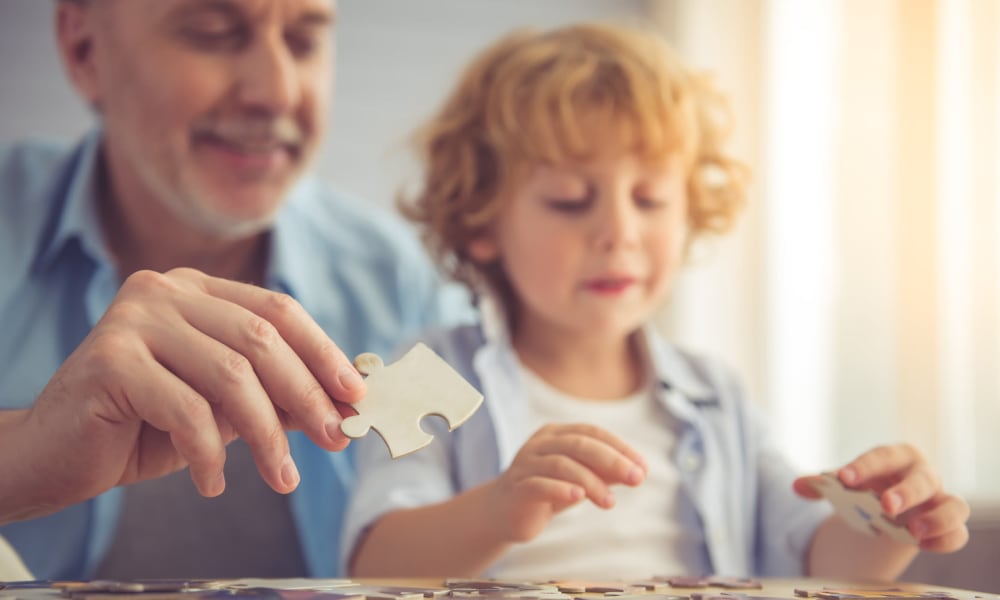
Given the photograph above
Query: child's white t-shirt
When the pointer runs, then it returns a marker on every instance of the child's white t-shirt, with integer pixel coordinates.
(11, 566)
(641, 535)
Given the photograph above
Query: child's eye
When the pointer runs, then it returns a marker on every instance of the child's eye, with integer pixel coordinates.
(568, 205)
(649, 203)
(304, 43)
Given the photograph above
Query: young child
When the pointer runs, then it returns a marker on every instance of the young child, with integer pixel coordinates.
(566, 177)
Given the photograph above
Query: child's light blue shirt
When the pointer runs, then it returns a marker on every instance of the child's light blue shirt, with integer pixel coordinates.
(736, 493)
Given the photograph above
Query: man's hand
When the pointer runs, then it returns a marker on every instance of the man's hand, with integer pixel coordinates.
(180, 364)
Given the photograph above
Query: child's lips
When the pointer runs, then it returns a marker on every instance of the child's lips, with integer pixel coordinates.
(609, 285)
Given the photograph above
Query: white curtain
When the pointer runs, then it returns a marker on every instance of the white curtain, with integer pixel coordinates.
(859, 297)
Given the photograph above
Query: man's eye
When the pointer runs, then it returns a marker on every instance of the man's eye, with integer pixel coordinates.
(216, 39)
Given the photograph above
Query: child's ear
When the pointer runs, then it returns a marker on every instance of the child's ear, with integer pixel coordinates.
(483, 249)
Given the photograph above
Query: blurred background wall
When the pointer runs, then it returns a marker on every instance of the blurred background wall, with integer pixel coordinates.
(859, 295)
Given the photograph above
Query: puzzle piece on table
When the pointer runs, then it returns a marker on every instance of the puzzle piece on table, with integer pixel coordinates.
(860, 509)
(643, 596)
(595, 587)
(112, 586)
(495, 584)
(658, 587)
(389, 592)
(492, 589)
(683, 581)
(735, 583)
(871, 593)
(293, 583)
(420, 383)
(704, 581)
(731, 596)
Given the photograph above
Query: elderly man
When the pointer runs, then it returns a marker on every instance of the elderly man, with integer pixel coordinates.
(172, 284)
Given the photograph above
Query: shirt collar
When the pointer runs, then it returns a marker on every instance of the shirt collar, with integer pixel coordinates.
(674, 370)
(289, 269)
(78, 219)
(671, 369)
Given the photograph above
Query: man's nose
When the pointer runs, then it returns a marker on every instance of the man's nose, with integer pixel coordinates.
(269, 77)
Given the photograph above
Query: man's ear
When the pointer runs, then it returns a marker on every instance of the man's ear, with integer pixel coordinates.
(483, 248)
(74, 24)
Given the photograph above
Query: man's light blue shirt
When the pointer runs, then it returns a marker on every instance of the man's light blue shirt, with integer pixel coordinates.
(736, 489)
(357, 270)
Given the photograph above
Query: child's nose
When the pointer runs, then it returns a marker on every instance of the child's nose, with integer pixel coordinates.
(618, 227)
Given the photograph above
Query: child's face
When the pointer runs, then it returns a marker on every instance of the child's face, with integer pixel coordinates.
(591, 248)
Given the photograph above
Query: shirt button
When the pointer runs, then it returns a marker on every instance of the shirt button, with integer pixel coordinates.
(691, 462)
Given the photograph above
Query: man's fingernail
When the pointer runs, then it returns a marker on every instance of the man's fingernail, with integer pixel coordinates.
(289, 474)
(349, 377)
(218, 484)
(333, 429)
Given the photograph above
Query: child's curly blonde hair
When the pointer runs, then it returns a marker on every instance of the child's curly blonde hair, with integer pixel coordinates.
(527, 100)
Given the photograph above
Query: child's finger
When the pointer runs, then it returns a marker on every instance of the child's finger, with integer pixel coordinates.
(882, 462)
(564, 468)
(804, 487)
(599, 433)
(918, 485)
(943, 518)
(950, 542)
(528, 506)
(603, 459)
(560, 494)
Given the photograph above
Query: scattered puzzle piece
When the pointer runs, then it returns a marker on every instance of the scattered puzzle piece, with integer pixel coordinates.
(420, 383)
(735, 583)
(598, 587)
(643, 596)
(456, 589)
(683, 581)
(860, 509)
(292, 583)
(871, 593)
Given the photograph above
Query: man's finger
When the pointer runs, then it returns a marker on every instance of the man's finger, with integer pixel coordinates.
(188, 428)
(281, 372)
(321, 356)
(226, 378)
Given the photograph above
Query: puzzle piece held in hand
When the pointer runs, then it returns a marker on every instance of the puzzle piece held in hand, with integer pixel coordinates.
(860, 509)
(420, 383)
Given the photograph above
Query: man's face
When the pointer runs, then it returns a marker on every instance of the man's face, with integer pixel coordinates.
(212, 108)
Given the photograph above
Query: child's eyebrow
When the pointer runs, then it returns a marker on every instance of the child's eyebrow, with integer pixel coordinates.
(316, 18)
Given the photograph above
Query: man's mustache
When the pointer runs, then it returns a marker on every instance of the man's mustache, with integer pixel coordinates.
(282, 129)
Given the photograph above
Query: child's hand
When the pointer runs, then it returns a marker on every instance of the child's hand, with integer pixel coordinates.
(908, 488)
(556, 468)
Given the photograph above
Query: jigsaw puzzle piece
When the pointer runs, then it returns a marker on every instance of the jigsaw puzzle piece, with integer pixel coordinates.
(419, 384)
(860, 509)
